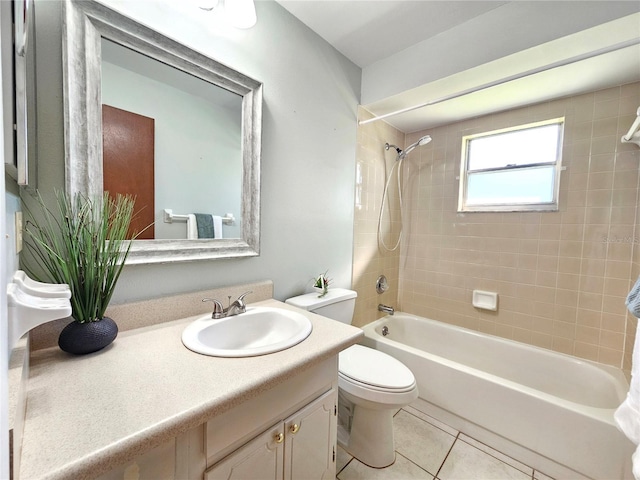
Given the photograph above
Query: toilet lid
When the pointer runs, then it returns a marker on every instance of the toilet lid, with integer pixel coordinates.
(375, 368)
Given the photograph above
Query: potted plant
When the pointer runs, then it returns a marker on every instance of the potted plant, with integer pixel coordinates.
(84, 245)
(321, 284)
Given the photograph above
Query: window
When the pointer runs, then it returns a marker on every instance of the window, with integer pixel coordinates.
(515, 169)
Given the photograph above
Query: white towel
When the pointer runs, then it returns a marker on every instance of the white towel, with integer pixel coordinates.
(217, 226)
(627, 415)
(633, 299)
(192, 227)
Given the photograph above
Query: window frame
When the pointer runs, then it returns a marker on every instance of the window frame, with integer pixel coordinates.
(510, 206)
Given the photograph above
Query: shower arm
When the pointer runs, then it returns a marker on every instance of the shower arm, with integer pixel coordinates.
(403, 153)
(389, 146)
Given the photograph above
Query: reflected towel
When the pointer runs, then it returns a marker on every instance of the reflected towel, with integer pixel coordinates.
(627, 415)
(205, 225)
(192, 227)
(217, 226)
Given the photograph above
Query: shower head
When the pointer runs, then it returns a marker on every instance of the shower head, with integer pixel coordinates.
(403, 153)
(422, 141)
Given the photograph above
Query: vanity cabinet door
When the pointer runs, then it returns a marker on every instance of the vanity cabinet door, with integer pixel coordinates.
(301, 447)
(260, 459)
(310, 440)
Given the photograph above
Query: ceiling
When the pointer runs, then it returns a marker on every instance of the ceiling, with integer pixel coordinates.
(368, 31)
(460, 49)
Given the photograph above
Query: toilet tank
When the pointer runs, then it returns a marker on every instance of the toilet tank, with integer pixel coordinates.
(337, 304)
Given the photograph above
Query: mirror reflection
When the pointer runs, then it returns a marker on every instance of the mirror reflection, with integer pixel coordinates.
(173, 141)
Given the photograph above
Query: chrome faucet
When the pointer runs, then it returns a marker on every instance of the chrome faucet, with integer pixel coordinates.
(238, 306)
(386, 308)
(235, 308)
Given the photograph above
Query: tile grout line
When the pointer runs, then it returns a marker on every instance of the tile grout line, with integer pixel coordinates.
(414, 463)
(457, 437)
(478, 445)
(345, 465)
(447, 455)
(498, 451)
(427, 421)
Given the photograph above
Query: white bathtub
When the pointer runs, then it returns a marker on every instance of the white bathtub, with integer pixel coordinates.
(551, 411)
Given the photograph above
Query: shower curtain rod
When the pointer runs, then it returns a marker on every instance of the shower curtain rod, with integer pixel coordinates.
(560, 63)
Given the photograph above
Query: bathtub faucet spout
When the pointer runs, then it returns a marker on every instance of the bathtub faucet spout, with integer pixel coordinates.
(386, 308)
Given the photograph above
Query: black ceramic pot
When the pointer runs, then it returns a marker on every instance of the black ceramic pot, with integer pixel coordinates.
(82, 338)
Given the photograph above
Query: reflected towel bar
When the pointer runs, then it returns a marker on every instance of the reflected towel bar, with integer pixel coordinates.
(170, 217)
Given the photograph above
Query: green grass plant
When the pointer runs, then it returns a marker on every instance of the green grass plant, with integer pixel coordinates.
(84, 244)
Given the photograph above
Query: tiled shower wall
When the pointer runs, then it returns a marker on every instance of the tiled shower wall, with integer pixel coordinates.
(562, 277)
(374, 165)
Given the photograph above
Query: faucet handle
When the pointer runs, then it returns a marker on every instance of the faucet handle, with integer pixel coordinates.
(218, 309)
(240, 299)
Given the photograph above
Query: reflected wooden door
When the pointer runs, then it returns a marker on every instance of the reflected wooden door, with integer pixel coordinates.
(128, 156)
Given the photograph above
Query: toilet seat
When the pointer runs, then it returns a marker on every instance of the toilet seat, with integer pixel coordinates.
(375, 399)
(374, 370)
(373, 388)
(379, 380)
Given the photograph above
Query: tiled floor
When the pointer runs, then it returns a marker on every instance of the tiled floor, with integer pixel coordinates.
(429, 449)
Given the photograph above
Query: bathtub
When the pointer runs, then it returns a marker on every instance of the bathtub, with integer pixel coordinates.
(550, 411)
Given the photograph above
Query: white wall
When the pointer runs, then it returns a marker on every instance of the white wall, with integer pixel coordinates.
(311, 94)
(507, 29)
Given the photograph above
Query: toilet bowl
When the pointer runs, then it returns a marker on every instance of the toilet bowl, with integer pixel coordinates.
(377, 385)
(372, 386)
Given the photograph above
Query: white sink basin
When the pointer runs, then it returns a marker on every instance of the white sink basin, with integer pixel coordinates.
(258, 331)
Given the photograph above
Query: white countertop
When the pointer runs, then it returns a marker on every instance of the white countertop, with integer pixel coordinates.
(86, 415)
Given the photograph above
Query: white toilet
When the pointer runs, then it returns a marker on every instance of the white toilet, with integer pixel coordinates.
(372, 385)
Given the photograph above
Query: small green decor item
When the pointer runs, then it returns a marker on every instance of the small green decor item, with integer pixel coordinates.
(83, 244)
(321, 284)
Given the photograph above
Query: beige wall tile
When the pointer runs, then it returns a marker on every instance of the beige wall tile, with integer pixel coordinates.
(610, 356)
(562, 277)
(588, 351)
(589, 318)
(588, 335)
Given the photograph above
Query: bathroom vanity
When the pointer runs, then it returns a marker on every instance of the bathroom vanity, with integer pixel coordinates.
(147, 407)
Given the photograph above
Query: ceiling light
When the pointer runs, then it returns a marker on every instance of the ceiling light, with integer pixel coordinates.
(208, 5)
(240, 13)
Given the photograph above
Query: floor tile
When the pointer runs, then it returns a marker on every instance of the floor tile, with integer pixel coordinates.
(494, 453)
(421, 442)
(402, 469)
(433, 421)
(342, 458)
(466, 462)
(541, 476)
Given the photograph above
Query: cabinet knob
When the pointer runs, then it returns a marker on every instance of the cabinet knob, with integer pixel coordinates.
(279, 437)
(294, 428)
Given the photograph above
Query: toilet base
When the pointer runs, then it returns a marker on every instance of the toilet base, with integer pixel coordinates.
(371, 437)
